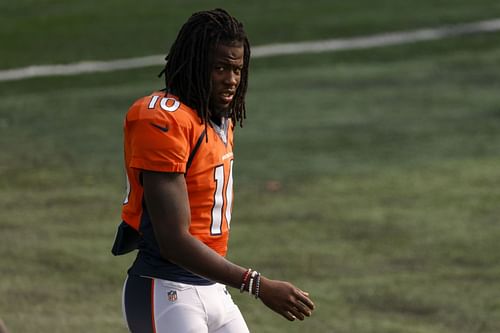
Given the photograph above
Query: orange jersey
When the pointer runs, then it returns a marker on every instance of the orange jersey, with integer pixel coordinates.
(161, 134)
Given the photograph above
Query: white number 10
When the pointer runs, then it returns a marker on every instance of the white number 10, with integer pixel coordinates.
(217, 209)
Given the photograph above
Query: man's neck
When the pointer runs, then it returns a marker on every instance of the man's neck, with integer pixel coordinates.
(217, 120)
(217, 116)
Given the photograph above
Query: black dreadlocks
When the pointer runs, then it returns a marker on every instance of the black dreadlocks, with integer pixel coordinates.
(190, 61)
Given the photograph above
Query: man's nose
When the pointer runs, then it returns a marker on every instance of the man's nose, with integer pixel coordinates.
(231, 78)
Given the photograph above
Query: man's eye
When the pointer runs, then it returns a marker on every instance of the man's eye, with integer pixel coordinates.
(219, 68)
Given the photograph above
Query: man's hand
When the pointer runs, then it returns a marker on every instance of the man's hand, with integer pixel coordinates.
(285, 299)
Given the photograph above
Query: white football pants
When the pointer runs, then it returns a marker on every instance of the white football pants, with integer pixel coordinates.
(160, 306)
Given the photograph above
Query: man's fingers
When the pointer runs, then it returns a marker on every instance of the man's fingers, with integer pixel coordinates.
(304, 298)
(288, 316)
(303, 308)
(304, 292)
(297, 313)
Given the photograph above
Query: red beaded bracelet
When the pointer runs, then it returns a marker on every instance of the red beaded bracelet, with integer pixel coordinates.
(245, 279)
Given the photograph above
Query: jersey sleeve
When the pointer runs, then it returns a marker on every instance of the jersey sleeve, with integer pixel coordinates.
(157, 141)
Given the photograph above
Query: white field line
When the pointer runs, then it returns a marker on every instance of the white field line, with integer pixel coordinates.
(329, 45)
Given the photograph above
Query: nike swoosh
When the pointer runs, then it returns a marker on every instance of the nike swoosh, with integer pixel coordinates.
(161, 128)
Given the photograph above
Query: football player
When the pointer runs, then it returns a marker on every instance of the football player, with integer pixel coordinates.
(179, 163)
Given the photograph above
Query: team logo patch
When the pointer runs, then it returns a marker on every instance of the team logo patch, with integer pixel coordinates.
(172, 295)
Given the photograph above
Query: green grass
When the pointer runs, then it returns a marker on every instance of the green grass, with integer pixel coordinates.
(60, 31)
(387, 160)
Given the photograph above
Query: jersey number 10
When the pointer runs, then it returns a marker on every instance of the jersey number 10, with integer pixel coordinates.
(218, 211)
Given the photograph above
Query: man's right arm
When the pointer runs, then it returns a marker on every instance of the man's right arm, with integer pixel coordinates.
(168, 205)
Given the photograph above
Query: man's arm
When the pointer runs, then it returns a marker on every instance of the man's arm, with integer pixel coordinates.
(168, 205)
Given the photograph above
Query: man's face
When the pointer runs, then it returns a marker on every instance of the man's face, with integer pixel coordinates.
(226, 76)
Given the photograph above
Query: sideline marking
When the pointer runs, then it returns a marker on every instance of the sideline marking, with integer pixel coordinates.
(271, 50)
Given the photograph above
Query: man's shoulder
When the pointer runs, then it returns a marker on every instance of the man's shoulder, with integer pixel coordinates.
(161, 106)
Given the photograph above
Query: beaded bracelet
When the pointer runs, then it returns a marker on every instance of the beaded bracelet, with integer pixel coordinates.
(250, 284)
(257, 286)
(244, 282)
(251, 279)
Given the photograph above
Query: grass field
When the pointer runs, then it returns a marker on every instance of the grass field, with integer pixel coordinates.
(388, 162)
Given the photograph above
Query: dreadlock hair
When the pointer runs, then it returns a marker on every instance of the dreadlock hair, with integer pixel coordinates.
(191, 57)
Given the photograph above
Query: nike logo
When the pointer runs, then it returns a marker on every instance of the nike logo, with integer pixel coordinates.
(161, 128)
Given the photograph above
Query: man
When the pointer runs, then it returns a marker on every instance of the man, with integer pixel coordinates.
(179, 163)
